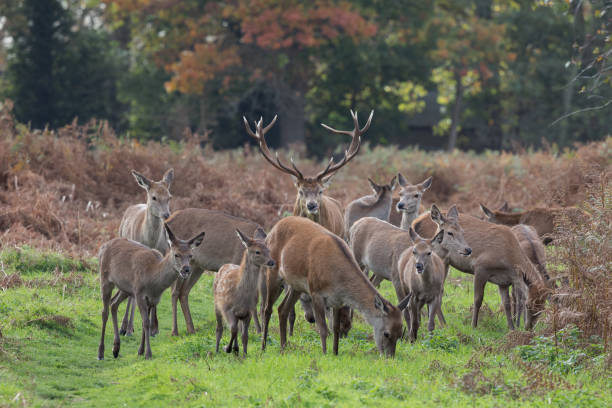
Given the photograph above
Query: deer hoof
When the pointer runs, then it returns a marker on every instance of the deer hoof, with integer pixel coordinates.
(122, 332)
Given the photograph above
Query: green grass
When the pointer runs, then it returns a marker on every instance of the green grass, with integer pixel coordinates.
(51, 328)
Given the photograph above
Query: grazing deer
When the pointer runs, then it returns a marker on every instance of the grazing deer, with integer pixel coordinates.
(143, 273)
(542, 219)
(235, 289)
(496, 258)
(144, 223)
(211, 255)
(314, 261)
(409, 203)
(310, 202)
(422, 274)
(377, 205)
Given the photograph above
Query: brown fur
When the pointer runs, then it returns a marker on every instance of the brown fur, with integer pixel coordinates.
(409, 202)
(223, 247)
(143, 273)
(377, 205)
(311, 260)
(496, 257)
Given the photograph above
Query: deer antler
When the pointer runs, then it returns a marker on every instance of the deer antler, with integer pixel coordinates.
(353, 149)
(265, 151)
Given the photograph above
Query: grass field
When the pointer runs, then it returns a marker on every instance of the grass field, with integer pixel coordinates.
(50, 321)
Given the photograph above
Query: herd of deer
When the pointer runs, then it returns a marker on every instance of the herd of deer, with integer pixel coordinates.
(321, 256)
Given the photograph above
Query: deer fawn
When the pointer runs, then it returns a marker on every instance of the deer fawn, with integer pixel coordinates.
(377, 205)
(210, 256)
(235, 289)
(144, 223)
(143, 273)
(409, 203)
(314, 261)
(310, 202)
(496, 258)
(422, 274)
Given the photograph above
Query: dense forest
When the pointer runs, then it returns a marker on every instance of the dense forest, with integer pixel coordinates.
(468, 74)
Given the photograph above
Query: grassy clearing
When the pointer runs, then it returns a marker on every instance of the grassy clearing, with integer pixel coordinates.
(50, 321)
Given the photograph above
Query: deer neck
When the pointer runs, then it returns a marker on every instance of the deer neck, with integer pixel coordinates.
(407, 218)
(153, 229)
(249, 275)
(164, 276)
(508, 218)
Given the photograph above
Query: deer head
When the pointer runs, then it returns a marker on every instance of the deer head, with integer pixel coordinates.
(411, 194)
(310, 189)
(180, 252)
(452, 240)
(258, 253)
(158, 194)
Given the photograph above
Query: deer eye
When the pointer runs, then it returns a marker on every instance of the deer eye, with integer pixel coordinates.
(300, 192)
(413, 252)
(416, 196)
(177, 256)
(429, 253)
(386, 334)
(154, 198)
(450, 234)
(257, 253)
(320, 192)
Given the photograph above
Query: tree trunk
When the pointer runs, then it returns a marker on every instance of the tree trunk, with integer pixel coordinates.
(452, 139)
(290, 115)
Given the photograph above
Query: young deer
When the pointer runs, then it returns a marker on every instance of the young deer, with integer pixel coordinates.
(496, 258)
(235, 289)
(422, 274)
(312, 260)
(143, 273)
(409, 203)
(144, 223)
(210, 256)
(310, 202)
(377, 205)
(542, 219)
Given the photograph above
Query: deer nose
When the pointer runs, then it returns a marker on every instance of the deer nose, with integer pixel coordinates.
(311, 206)
(166, 215)
(186, 270)
(419, 267)
(270, 263)
(468, 251)
(400, 206)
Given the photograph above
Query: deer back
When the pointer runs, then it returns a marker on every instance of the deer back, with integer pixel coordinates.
(223, 246)
(532, 246)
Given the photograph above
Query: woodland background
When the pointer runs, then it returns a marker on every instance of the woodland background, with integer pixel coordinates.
(472, 74)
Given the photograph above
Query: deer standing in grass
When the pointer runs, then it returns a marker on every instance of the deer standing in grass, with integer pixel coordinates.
(210, 256)
(422, 273)
(142, 273)
(310, 202)
(409, 203)
(497, 258)
(144, 223)
(377, 205)
(542, 219)
(235, 289)
(312, 260)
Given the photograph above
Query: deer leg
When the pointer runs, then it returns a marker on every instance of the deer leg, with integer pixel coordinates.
(336, 328)
(233, 326)
(130, 329)
(376, 280)
(107, 290)
(176, 290)
(433, 307)
(126, 318)
(285, 308)
(415, 310)
(273, 290)
(184, 299)
(116, 301)
(479, 286)
(318, 306)
(219, 331)
(145, 310)
(505, 298)
(154, 322)
(245, 334)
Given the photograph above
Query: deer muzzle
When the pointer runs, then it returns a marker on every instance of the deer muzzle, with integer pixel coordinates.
(419, 267)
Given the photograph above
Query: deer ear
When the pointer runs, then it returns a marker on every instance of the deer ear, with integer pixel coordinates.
(505, 207)
(439, 237)
(379, 303)
(426, 184)
(197, 240)
(171, 237)
(402, 181)
(413, 235)
(488, 213)
(436, 215)
(375, 187)
(326, 181)
(295, 180)
(393, 183)
(142, 180)
(453, 212)
(243, 238)
(260, 234)
(168, 177)
(404, 302)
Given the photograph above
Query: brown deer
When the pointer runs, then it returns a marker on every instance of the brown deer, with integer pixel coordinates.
(314, 261)
(542, 219)
(310, 202)
(211, 255)
(141, 272)
(235, 289)
(409, 203)
(144, 223)
(496, 258)
(422, 274)
(377, 205)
